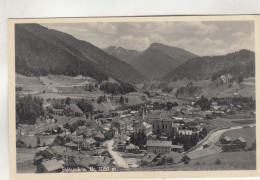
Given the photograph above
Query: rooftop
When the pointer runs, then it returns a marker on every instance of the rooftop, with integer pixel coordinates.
(52, 165)
(158, 143)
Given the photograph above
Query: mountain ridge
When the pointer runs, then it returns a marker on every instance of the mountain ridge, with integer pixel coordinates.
(90, 60)
(205, 67)
(155, 61)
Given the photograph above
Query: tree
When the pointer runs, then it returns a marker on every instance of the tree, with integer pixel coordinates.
(239, 78)
(67, 101)
(28, 108)
(38, 141)
(121, 100)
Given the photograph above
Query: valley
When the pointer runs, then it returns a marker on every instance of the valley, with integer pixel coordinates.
(117, 109)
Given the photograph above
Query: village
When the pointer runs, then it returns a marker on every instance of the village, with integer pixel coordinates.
(68, 138)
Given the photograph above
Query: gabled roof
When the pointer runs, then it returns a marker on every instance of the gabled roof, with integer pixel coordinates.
(241, 139)
(188, 120)
(52, 165)
(90, 141)
(227, 138)
(149, 157)
(174, 155)
(180, 146)
(38, 157)
(99, 135)
(131, 146)
(58, 149)
(204, 152)
(158, 143)
(70, 144)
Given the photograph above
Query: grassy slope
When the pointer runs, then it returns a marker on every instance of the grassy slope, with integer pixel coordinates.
(244, 160)
(249, 134)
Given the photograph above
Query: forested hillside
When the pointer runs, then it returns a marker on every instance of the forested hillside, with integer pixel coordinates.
(40, 51)
(211, 67)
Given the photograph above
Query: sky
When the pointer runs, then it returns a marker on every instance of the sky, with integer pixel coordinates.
(199, 37)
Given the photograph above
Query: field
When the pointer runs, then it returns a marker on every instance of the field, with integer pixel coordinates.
(41, 126)
(60, 87)
(211, 89)
(211, 124)
(25, 159)
(32, 140)
(249, 134)
(244, 160)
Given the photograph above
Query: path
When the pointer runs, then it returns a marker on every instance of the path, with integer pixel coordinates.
(215, 136)
(116, 156)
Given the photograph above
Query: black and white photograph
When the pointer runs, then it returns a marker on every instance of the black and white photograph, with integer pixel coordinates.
(135, 96)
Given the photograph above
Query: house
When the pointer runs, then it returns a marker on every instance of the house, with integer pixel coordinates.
(219, 113)
(99, 137)
(95, 162)
(132, 149)
(143, 127)
(46, 154)
(200, 153)
(177, 148)
(51, 166)
(120, 146)
(120, 125)
(158, 147)
(226, 78)
(225, 140)
(149, 158)
(208, 115)
(57, 111)
(214, 104)
(58, 141)
(85, 131)
(38, 159)
(69, 156)
(235, 94)
(173, 157)
(72, 145)
(88, 144)
(237, 145)
(185, 132)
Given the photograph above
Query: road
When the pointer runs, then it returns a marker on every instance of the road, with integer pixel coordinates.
(116, 156)
(215, 136)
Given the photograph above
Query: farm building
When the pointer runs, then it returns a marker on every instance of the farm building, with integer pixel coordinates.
(158, 147)
(236, 145)
(88, 144)
(149, 158)
(200, 153)
(52, 166)
(173, 157)
(225, 140)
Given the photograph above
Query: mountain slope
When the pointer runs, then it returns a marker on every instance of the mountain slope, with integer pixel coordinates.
(156, 61)
(123, 54)
(199, 68)
(42, 51)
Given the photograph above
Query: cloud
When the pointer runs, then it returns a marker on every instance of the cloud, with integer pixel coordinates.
(198, 37)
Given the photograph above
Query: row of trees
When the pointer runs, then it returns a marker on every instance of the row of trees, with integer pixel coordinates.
(168, 105)
(116, 88)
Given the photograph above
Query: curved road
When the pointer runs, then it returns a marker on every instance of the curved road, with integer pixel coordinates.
(215, 136)
(116, 156)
